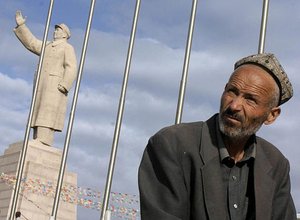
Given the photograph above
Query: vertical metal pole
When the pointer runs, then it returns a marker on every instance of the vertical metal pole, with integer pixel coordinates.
(107, 215)
(29, 121)
(263, 27)
(72, 114)
(120, 114)
(186, 63)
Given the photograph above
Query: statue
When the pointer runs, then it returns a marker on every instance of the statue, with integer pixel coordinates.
(58, 72)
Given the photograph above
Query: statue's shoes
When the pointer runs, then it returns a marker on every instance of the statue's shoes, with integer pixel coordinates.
(37, 142)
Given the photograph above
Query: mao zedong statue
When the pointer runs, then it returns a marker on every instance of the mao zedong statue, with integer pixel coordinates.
(58, 72)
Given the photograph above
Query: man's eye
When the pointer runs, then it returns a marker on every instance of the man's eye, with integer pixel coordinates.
(251, 99)
(232, 91)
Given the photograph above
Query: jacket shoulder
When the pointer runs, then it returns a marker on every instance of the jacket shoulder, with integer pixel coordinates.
(272, 153)
(68, 45)
(182, 130)
(269, 149)
(179, 138)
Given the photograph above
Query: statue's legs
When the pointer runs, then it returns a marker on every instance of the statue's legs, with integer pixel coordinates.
(44, 135)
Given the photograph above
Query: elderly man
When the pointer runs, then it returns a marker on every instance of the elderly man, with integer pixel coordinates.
(59, 69)
(219, 169)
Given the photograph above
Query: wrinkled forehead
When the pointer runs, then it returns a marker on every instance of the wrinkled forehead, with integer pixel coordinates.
(251, 73)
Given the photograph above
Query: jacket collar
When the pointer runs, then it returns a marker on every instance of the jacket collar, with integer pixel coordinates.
(264, 185)
(57, 42)
(214, 191)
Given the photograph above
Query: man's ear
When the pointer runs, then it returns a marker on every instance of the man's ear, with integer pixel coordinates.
(275, 112)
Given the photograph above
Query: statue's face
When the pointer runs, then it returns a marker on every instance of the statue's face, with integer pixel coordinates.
(59, 33)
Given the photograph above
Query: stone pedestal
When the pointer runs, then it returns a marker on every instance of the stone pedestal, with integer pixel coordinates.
(42, 164)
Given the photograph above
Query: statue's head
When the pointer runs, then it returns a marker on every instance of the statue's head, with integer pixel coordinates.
(65, 30)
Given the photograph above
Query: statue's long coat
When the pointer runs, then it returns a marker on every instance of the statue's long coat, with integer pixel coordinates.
(59, 67)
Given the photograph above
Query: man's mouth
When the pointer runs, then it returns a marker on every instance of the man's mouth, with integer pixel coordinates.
(232, 119)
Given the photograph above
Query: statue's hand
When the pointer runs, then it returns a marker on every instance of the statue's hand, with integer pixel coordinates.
(62, 89)
(19, 18)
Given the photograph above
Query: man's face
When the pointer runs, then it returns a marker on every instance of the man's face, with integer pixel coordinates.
(245, 102)
(58, 33)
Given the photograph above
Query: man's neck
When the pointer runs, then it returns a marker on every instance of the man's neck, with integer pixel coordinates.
(235, 147)
(59, 39)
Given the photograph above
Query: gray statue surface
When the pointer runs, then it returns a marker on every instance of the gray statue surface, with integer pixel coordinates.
(58, 72)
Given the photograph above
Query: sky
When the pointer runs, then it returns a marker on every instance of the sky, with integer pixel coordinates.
(224, 32)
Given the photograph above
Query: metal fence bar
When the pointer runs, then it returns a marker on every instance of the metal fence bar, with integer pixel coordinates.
(120, 114)
(72, 114)
(29, 121)
(186, 63)
(263, 27)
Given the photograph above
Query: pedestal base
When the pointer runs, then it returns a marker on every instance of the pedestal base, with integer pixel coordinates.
(41, 165)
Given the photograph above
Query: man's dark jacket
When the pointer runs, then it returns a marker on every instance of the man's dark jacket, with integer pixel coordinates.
(180, 177)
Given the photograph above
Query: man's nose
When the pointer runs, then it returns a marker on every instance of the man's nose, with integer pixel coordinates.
(236, 103)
